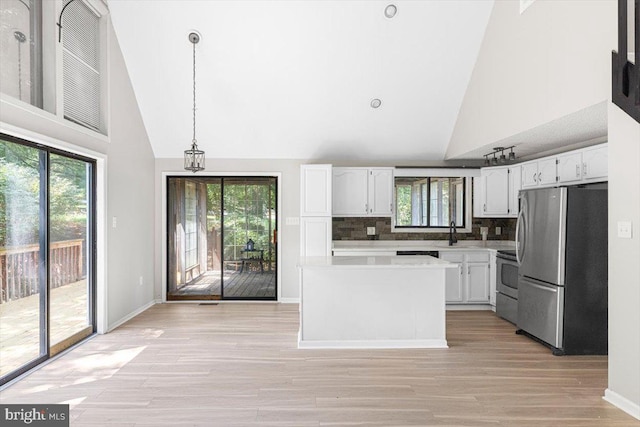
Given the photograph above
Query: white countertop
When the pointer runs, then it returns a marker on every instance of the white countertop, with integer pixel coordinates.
(417, 261)
(421, 245)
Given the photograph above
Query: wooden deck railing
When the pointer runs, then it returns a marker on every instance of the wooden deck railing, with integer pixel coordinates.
(19, 268)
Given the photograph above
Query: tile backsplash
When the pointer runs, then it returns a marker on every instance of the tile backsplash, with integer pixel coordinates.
(349, 228)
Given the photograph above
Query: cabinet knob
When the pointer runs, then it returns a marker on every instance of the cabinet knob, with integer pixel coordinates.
(534, 177)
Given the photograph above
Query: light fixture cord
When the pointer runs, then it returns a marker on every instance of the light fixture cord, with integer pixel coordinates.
(194, 94)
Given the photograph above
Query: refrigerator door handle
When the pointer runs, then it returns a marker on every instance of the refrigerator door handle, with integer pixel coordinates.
(547, 288)
(519, 222)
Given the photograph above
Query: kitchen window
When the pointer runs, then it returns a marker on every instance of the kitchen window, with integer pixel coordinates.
(431, 200)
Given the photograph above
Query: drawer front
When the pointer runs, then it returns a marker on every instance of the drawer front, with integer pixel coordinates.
(477, 257)
(452, 256)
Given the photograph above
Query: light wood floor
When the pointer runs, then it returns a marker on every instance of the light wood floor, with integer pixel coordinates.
(251, 283)
(238, 365)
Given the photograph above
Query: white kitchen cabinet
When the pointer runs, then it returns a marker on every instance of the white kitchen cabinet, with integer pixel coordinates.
(454, 283)
(581, 166)
(350, 191)
(496, 193)
(315, 236)
(478, 282)
(539, 173)
(496, 190)
(570, 167)
(470, 282)
(381, 191)
(315, 190)
(595, 163)
(515, 185)
(362, 191)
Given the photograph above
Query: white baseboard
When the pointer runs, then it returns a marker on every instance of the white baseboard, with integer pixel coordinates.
(356, 344)
(289, 300)
(131, 315)
(468, 307)
(623, 403)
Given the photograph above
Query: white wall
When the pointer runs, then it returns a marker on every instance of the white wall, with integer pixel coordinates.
(545, 64)
(288, 235)
(127, 160)
(624, 265)
(130, 198)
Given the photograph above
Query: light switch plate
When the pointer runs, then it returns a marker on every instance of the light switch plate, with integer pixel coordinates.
(625, 229)
(371, 231)
(498, 231)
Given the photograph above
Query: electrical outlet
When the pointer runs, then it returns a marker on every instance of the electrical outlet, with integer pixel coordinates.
(371, 231)
(114, 222)
(292, 220)
(140, 281)
(498, 231)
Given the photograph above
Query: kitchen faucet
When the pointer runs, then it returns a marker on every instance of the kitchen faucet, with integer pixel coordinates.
(452, 233)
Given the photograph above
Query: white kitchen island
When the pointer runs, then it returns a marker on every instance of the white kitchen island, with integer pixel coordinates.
(372, 302)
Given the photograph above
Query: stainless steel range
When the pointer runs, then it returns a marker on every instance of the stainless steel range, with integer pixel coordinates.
(507, 285)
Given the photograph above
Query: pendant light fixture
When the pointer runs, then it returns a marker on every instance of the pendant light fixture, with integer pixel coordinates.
(194, 158)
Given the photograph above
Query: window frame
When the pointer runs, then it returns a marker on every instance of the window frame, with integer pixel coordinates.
(51, 62)
(426, 174)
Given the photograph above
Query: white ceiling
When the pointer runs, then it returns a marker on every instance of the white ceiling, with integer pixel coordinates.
(294, 79)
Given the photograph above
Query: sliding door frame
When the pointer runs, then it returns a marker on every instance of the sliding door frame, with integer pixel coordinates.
(45, 152)
(164, 230)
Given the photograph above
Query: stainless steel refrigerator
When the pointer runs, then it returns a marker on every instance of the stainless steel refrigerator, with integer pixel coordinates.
(561, 248)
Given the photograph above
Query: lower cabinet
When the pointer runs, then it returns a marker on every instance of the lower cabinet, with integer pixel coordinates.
(469, 283)
(315, 236)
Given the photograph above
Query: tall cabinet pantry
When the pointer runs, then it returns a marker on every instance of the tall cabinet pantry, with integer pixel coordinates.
(315, 210)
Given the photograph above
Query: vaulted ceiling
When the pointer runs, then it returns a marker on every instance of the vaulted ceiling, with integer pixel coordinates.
(295, 79)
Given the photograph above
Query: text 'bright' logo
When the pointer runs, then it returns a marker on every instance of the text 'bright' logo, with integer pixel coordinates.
(45, 415)
(25, 416)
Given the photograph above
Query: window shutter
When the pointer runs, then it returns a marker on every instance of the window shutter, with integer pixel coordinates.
(81, 65)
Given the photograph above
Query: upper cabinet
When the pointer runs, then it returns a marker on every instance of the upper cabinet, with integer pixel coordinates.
(539, 173)
(582, 166)
(381, 191)
(350, 191)
(496, 194)
(362, 191)
(595, 161)
(570, 167)
(315, 190)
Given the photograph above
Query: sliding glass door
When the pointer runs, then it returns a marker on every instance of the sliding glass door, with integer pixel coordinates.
(221, 238)
(46, 253)
(23, 276)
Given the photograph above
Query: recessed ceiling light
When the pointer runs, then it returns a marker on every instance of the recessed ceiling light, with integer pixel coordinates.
(375, 103)
(390, 11)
